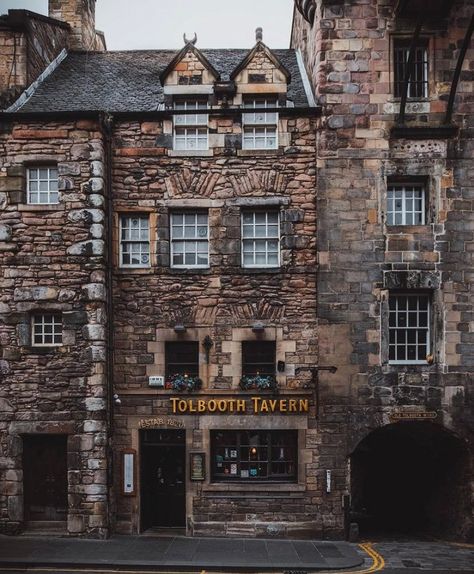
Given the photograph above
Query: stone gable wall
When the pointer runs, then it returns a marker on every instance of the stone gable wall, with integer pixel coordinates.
(52, 258)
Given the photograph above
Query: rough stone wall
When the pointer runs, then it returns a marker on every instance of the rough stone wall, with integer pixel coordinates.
(52, 259)
(348, 56)
(80, 15)
(26, 52)
(223, 301)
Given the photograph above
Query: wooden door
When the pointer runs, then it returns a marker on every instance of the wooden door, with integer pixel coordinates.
(45, 477)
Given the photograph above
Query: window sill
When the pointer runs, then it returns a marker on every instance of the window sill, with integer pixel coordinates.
(249, 486)
(191, 153)
(134, 270)
(34, 350)
(41, 207)
(264, 152)
(408, 229)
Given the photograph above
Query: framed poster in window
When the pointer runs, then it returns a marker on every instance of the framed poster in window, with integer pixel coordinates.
(129, 472)
(198, 466)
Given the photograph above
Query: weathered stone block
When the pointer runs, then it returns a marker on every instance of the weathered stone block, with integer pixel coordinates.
(94, 291)
(92, 247)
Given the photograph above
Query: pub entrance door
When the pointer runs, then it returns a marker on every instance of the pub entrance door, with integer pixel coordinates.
(45, 477)
(163, 479)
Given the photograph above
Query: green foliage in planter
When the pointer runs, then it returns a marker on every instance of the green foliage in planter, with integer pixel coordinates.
(183, 383)
(258, 382)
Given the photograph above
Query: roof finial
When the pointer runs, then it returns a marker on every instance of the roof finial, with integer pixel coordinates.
(259, 34)
(193, 41)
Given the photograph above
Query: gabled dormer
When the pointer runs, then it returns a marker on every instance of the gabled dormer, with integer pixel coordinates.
(188, 68)
(261, 71)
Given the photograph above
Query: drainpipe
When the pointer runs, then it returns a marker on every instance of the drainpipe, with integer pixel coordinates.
(106, 121)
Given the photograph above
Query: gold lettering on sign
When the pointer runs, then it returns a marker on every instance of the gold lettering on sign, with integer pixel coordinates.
(159, 422)
(412, 415)
(259, 405)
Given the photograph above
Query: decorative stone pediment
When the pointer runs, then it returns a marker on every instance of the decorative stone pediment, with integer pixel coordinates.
(189, 68)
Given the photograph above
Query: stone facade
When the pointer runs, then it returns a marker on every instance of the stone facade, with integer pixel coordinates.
(348, 52)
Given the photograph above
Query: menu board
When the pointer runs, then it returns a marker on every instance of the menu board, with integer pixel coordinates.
(198, 466)
(128, 472)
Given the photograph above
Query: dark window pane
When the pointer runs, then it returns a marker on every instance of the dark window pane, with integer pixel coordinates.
(182, 358)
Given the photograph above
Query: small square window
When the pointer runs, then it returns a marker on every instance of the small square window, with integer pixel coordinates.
(47, 330)
(406, 204)
(42, 185)
(260, 239)
(190, 130)
(418, 83)
(258, 358)
(134, 241)
(189, 239)
(182, 358)
(409, 328)
(260, 128)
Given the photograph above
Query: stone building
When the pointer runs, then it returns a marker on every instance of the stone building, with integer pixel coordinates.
(395, 165)
(236, 287)
(159, 293)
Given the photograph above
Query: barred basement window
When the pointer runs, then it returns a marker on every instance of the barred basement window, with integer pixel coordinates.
(406, 204)
(258, 358)
(418, 84)
(134, 241)
(42, 185)
(47, 330)
(260, 129)
(182, 358)
(409, 328)
(190, 130)
(260, 239)
(254, 455)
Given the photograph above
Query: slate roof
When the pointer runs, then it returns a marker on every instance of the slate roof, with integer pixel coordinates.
(129, 80)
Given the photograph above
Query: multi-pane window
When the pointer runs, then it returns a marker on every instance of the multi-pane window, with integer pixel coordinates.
(418, 83)
(406, 204)
(254, 455)
(190, 129)
(42, 185)
(134, 241)
(189, 239)
(258, 358)
(260, 239)
(409, 327)
(260, 128)
(47, 329)
(182, 358)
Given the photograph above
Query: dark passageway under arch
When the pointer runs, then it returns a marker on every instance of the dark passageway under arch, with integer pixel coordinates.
(411, 478)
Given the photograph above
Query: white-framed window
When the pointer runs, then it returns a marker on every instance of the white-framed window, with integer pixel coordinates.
(409, 327)
(189, 239)
(42, 185)
(134, 240)
(260, 239)
(190, 130)
(47, 330)
(418, 83)
(406, 204)
(260, 128)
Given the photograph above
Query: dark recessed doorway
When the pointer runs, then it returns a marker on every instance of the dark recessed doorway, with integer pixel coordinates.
(163, 479)
(45, 477)
(411, 479)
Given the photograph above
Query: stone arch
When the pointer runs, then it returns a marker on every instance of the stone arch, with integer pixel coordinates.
(412, 478)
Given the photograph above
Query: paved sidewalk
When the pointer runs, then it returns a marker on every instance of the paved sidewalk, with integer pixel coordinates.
(179, 553)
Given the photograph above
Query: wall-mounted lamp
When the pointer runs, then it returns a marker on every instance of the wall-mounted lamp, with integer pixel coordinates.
(207, 344)
(258, 327)
(179, 328)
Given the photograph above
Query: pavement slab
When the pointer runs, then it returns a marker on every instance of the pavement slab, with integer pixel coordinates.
(177, 552)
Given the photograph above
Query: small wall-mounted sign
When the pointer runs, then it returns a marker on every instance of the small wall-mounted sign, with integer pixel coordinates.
(158, 422)
(412, 415)
(198, 466)
(156, 381)
(128, 472)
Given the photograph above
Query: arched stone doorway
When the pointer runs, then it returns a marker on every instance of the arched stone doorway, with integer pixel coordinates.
(411, 478)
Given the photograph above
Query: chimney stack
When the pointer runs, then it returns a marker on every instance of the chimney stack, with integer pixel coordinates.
(259, 34)
(80, 15)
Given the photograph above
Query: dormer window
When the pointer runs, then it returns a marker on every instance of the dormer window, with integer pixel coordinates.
(260, 128)
(190, 129)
